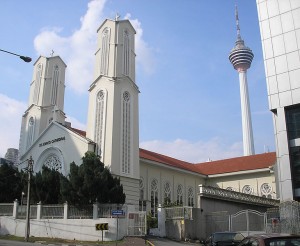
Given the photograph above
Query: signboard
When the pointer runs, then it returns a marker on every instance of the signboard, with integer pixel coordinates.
(118, 213)
(101, 227)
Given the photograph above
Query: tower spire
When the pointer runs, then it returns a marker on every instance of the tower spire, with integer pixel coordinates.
(238, 30)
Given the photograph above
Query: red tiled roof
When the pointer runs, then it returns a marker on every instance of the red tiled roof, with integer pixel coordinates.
(80, 132)
(244, 163)
(152, 156)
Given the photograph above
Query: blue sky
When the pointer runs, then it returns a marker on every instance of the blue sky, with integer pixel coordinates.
(189, 100)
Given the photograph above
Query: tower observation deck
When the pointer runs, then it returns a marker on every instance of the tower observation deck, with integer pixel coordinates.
(241, 57)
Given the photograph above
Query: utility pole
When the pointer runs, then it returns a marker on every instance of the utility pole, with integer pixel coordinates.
(27, 226)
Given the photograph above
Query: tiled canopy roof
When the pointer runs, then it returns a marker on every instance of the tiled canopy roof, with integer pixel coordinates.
(163, 159)
(244, 163)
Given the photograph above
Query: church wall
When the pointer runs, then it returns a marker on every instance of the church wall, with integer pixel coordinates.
(149, 172)
(255, 180)
(61, 143)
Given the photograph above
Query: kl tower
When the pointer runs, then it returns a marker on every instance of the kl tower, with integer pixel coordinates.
(241, 58)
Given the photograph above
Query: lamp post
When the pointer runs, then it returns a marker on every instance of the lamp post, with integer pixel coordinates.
(23, 193)
(27, 226)
(24, 58)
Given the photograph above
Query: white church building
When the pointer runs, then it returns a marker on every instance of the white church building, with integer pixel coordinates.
(112, 132)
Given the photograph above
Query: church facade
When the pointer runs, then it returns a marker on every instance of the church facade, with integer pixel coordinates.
(112, 132)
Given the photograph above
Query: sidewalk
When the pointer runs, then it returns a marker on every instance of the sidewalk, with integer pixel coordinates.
(127, 241)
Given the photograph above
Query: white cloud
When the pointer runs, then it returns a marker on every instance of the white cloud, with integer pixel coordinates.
(10, 125)
(195, 152)
(145, 56)
(76, 50)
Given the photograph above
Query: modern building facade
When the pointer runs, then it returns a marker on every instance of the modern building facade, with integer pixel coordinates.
(241, 58)
(12, 155)
(279, 22)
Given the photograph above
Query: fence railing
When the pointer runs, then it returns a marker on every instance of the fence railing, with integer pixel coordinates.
(52, 211)
(184, 212)
(85, 212)
(6, 209)
(60, 211)
(285, 218)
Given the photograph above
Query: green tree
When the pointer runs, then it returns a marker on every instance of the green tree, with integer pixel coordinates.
(11, 185)
(91, 182)
(46, 186)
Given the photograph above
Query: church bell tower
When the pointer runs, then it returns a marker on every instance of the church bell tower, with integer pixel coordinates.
(113, 105)
(46, 100)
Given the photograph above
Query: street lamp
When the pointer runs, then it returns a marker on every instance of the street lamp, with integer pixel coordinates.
(24, 58)
(23, 193)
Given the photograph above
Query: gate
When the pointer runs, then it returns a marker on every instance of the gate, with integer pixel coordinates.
(247, 221)
(137, 222)
(217, 221)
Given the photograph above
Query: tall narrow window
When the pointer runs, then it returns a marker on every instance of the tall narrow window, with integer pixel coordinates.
(126, 53)
(104, 51)
(191, 197)
(167, 193)
(126, 134)
(99, 122)
(55, 80)
(154, 197)
(179, 195)
(142, 202)
(30, 132)
(37, 84)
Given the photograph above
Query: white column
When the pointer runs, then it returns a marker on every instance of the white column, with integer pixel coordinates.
(246, 115)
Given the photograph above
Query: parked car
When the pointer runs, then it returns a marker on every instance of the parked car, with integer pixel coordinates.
(273, 239)
(224, 239)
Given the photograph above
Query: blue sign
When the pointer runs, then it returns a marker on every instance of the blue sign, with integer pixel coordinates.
(117, 212)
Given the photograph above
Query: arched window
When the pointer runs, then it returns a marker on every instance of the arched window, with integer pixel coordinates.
(191, 197)
(266, 189)
(53, 162)
(104, 51)
(167, 193)
(126, 53)
(55, 80)
(126, 133)
(37, 84)
(142, 202)
(30, 132)
(99, 122)
(247, 189)
(154, 197)
(230, 188)
(179, 195)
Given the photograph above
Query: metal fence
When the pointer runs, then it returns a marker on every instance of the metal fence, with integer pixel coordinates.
(57, 211)
(85, 212)
(248, 221)
(105, 210)
(6, 209)
(217, 221)
(21, 212)
(52, 211)
(285, 218)
(174, 213)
